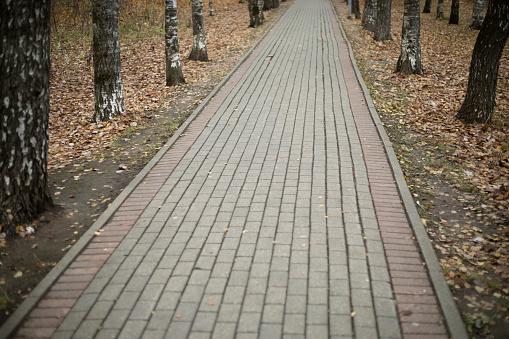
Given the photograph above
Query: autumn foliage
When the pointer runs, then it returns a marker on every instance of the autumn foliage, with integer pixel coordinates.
(72, 134)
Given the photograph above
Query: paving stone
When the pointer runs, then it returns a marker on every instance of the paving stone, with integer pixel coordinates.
(116, 319)
(287, 158)
(294, 324)
(204, 322)
(249, 322)
(160, 320)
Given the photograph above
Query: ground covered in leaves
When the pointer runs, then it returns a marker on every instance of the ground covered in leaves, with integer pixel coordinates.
(90, 163)
(458, 173)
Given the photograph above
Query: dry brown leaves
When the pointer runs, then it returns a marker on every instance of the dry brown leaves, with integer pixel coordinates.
(474, 239)
(431, 101)
(72, 135)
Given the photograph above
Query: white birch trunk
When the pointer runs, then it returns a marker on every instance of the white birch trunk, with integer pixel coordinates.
(477, 14)
(24, 111)
(108, 88)
(409, 61)
(199, 50)
(174, 74)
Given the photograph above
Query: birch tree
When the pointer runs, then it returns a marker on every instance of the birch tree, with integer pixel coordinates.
(24, 111)
(369, 15)
(454, 19)
(383, 20)
(482, 81)
(440, 9)
(255, 12)
(270, 4)
(211, 7)
(477, 14)
(199, 50)
(174, 74)
(356, 9)
(427, 6)
(409, 61)
(108, 88)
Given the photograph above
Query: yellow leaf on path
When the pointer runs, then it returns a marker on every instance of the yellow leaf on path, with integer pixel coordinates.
(18, 274)
(352, 314)
(226, 229)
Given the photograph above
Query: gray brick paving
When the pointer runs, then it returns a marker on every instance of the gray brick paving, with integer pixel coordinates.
(266, 227)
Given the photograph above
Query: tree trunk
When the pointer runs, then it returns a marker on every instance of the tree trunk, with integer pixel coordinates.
(427, 6)
(24, 111)
(275, 3)
(454, 19)
(369, 15)
(356, 10)
(267, 5)
(477, 14)
(383, 20)
(108, 89)
(211, 7)
(174, 74)
(255, 12)
(482, 82)
(440, 9)
(199, 50)
(409, 61)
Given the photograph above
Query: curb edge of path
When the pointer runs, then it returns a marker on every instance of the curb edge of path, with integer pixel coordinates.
(453, 319)
(15, 320)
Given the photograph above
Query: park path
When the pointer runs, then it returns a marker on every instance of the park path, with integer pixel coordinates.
(276, 213)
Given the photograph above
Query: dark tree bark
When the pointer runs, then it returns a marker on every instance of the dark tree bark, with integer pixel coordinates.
(211, 8)
(369, 15)
(482, 82)
(440, 9)
(427, 6)
(199, 50)
(267, 5)
(24, 111)
(454, 19)
(409, 61)
(108, 88)
(255, 12)
(383, 20)
(275, 3)
(174, 74)
(355, 9)
(477, 14)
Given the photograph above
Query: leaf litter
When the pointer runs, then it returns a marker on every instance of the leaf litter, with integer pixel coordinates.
(82, 152)
(458, 173)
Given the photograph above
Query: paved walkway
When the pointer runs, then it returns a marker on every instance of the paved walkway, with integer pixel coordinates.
(275, 214)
